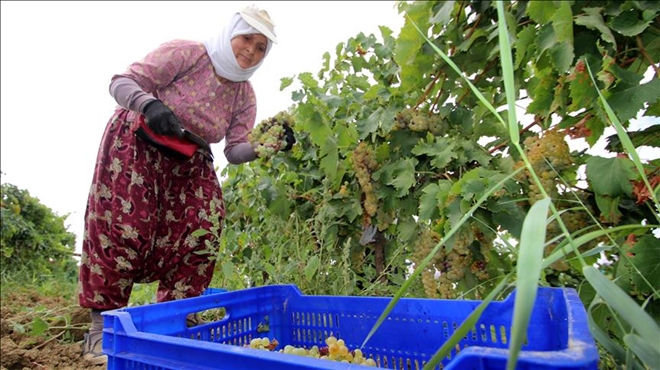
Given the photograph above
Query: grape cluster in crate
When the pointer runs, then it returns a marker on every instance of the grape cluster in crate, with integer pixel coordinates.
(334, 350)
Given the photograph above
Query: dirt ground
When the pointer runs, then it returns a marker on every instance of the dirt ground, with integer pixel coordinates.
(62, 322)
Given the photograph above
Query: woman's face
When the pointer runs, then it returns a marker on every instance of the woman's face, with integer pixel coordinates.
(249, 50)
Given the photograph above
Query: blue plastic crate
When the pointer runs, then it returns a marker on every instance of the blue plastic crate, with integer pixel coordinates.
(209, 291)
(156, 337)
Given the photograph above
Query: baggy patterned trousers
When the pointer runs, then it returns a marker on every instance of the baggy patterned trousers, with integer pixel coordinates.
(142, 210)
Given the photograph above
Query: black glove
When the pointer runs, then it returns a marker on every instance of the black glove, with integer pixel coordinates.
(161, 119)
(290, 139)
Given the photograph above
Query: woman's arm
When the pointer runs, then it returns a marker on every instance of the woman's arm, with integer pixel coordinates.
(129, 94)
(241, 153)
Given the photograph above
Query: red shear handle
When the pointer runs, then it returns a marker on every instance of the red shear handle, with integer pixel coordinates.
(167, 144)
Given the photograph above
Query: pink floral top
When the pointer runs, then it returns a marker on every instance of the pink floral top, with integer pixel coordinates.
(180, 74)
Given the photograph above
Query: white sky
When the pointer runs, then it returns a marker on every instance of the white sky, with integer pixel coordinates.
(58, 58)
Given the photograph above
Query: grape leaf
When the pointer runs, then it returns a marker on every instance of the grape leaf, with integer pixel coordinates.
(597, 128)
(609, 208)
(472, 184)
(455, 210)
(370, 124)
(473, 152)
(524, 44)
(628, 98)
(644, 255)
(562, 55)
(541, 11)
(442, 151)
(408, 50)
(432, 196)
(510, 217)
(318, 130)
(562, 22)
(308, 80)
(654, 109)
(428, 203)
(347, 135)
(650, 136)
(404, 176)
(329, 158)
(543, 94)
(285, 82)
(545, 38)
(593, 19)
(467, 45)
(406, 228)
(610, 176)
(443, 15)
(628, 23)
(582, 91)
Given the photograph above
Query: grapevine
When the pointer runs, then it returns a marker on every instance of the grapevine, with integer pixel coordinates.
(334, 350)
(268, 138)
(429, 178)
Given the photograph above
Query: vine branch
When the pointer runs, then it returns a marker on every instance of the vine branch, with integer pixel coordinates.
(646, 55)
(427, 91)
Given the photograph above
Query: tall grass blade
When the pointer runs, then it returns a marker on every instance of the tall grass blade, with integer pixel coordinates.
(564, 250)
(611, 346)
(528, 271)
(507, 73)
(644, 350)
(624, 306)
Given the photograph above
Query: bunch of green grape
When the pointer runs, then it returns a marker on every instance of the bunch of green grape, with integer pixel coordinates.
(454, 266)
(263, 343)
(268, 138)
(417, 121)
(549, 155)
(335, 350)
(364, 162)
(423, 246)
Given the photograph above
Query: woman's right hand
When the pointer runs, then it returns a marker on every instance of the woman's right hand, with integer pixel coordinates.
(289, 137)
(161, 119)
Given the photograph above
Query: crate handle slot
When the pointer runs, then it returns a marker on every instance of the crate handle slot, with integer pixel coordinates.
(202, 317)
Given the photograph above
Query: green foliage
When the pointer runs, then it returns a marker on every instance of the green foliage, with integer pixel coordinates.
(34, 241)
(409, 156)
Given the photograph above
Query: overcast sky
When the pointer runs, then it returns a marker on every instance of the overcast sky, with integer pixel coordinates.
(58, 58)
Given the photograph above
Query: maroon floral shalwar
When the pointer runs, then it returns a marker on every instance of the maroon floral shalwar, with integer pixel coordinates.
(144, 206)
(143, 209)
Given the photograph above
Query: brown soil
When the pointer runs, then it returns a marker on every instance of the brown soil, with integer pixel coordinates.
(58, 347)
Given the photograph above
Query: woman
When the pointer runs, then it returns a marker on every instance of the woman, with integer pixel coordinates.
(153, 187)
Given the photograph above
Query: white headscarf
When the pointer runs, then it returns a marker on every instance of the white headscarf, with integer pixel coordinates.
(247, 21)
